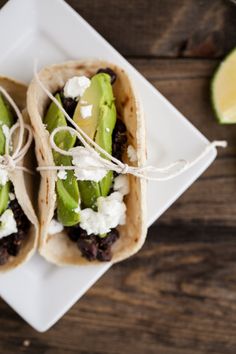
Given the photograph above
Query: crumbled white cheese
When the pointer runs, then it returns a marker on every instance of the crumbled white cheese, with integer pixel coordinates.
(5, 131)
(62, 174)
(77, 210)
(121, 184)
(90, 169)
(55, 227)
(92, 221)
(86, 111)
(113, 208)
(3, 177)
(76, 86)
(12, 196)
(83, 102)
(111, 212)
(132, 153)
(7, 223)
(107, 130)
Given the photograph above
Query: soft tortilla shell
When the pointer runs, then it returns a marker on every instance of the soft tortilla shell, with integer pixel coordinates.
(58, 248)
(22, 182)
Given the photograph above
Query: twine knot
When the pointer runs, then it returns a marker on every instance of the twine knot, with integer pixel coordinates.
(7, 163)
(124, 169)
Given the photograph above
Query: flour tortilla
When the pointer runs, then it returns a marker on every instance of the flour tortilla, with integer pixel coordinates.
(22, 182)
(58, 248)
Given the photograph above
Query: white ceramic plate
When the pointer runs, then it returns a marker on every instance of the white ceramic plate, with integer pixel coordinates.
(52, 32)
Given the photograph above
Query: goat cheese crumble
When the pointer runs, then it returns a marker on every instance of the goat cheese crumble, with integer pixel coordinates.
(121, 184)
(7, 223)
(12, 196)
(132, 153)
(55, 227)
(3, 177)
(111, 212)
(86, 111)
(90, 169)
(77, 210)
(76, 86)
(62, 174)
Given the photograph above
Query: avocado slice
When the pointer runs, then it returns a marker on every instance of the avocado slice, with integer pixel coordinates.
(107, 121)
(54, 118)
(4, 196)
(98, 127)
(98, 93)
(89, 193)
(67, 190)
(6, 118)
(66, 201)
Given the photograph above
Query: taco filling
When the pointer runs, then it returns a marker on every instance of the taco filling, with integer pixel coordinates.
(90, 199)
(14, 225)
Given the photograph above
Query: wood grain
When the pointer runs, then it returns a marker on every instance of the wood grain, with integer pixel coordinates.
(178, 294)
(160, 28)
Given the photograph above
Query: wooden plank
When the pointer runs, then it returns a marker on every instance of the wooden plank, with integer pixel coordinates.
(170, 298)
(163, 28)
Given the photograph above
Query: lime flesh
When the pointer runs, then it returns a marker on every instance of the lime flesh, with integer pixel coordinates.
(224, 90)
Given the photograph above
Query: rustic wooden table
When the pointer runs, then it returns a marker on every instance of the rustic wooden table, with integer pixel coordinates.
(178, 294)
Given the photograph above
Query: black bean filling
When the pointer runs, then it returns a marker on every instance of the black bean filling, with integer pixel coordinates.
(119, 139)
(69, 104)
(92, 246)
(109, 72)
(10, 245)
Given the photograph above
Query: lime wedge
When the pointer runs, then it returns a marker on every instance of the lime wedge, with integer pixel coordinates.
(224, 90)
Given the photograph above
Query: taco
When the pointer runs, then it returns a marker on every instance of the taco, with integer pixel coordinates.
(88, 214)
(18, 222)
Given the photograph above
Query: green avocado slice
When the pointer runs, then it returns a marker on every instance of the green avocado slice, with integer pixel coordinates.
(66, 201)
(89, 193)
(98, 127)
(98, 93)
(67, 190)
(4, 196)
(107, 121)
(6, 118)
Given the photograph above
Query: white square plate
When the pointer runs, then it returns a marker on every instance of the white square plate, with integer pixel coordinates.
(52, 32)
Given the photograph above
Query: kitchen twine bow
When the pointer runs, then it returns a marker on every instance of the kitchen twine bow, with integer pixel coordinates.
(111, 163)
(7, 161)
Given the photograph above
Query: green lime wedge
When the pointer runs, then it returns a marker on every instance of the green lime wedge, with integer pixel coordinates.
(223, 90)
